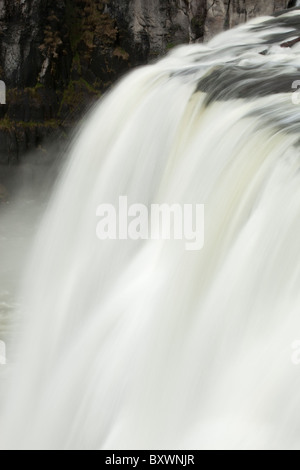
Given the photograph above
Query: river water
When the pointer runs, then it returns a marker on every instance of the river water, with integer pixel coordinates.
(28, 190)
(18, 224)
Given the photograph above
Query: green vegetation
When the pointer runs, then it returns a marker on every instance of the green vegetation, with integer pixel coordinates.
(10, 125)
(87, 21)
(170, 46)
(75, 94)
(121, 53)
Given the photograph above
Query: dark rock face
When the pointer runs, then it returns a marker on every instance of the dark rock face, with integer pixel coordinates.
(57, 57)
(224, 14)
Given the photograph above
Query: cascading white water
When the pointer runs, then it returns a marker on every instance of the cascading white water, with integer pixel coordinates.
(142, 344)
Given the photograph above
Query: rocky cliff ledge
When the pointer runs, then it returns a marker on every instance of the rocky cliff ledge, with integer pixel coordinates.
(58, 56)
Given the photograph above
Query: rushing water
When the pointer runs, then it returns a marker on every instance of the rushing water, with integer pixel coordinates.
(142, 344)
(18, 226)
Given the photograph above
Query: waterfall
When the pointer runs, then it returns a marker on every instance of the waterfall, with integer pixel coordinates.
(142, 344)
